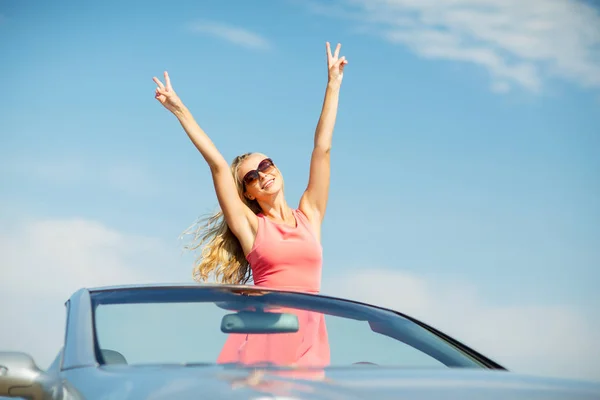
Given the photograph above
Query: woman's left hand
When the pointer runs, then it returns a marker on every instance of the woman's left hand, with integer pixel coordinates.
(335, 64)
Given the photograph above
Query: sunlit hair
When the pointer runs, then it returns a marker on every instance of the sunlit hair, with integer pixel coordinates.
(222, 256)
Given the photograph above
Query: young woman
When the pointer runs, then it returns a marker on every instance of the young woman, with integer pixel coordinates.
(257, 234)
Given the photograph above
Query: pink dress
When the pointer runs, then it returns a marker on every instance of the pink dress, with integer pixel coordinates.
(284, 257)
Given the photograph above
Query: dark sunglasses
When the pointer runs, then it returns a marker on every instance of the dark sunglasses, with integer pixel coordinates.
(265, 166)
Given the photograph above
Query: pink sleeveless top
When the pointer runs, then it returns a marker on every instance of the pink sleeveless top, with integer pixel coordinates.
(286, 257)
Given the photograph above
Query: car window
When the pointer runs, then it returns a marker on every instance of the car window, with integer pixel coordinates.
(161, 333)
(353, 341)
(190, 332)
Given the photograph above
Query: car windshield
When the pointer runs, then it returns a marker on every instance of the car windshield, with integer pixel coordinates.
(212, 325)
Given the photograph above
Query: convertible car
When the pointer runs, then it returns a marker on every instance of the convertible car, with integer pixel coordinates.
(166, 342)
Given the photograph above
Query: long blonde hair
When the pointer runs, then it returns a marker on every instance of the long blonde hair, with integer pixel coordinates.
(222, 255)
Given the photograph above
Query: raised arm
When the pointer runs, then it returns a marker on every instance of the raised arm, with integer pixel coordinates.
(314, 199)
(240, 219)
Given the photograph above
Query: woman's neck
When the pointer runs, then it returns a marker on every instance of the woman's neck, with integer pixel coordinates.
(277, 209)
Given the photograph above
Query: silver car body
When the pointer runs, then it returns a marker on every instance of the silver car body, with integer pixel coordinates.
(77, 374)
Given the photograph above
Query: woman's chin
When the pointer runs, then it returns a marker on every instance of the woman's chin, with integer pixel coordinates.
(272, 190)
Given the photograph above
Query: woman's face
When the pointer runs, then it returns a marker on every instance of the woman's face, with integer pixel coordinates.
(260, 177)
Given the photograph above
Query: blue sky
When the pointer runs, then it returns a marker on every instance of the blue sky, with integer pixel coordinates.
(465, 160)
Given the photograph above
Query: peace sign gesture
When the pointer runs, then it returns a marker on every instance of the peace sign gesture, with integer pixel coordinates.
(166, 95)
(335, 64)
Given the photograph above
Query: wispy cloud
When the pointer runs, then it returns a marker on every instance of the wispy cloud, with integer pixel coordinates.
(519, 43)
(233, 34)
(550, 340)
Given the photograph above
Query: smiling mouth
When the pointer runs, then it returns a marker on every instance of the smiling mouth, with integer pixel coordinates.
(268, 183)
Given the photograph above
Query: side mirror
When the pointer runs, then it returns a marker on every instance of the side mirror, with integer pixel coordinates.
(20, 377)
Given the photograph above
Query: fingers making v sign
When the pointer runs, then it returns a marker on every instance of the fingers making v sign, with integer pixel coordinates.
(335, 64)
(165, 93)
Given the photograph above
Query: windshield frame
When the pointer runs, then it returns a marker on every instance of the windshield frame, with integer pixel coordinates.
(253, 295)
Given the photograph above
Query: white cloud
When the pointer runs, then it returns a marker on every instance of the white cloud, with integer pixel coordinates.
(500, 87)
(232, 34)
(44, 261)
(518, 42)
(543, 340)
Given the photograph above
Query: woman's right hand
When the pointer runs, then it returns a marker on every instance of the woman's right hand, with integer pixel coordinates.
(166, 95)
